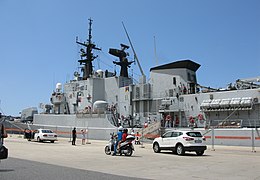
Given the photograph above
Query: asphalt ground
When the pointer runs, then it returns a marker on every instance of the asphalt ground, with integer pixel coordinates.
(18, 169)
(61, 160)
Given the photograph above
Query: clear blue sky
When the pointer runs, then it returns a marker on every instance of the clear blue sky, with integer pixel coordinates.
(38, 49)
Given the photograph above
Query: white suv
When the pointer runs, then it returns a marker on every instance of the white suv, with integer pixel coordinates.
(180, 141)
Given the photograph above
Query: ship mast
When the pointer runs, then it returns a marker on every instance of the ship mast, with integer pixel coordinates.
(86, 55)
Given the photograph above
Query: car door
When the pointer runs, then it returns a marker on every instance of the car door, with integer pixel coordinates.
(172, 139)
(175, 138)
(36, 134)
(166, 139)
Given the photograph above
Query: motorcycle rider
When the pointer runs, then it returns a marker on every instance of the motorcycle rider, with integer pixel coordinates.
(119, 138)
(124, 135)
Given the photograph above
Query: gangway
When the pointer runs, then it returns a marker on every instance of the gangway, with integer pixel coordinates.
(151, 131)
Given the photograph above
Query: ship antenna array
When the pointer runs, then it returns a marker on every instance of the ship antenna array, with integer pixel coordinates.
(135, 56)
(89, 31)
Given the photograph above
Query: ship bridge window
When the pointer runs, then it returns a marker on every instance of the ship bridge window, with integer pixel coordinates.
(174, 80)
(171, 92)
(211, 96)
(137, 92)
(189, 77)
(194, 78)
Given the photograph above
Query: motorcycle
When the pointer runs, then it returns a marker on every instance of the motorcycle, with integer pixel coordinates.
(126, 147)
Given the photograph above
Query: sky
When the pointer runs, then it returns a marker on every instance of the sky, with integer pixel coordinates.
(38, 48)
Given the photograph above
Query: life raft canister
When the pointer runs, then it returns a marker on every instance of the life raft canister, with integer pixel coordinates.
(200, 117)
(177, 121)
(191, 120)
(168, 117)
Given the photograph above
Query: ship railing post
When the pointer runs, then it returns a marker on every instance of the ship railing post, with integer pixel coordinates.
(212, 138)
(253, 140)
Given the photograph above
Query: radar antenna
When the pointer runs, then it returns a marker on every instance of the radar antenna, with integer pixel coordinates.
(123, 61)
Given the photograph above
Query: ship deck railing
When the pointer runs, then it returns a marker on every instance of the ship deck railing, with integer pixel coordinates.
(227, 109)
(230, 123)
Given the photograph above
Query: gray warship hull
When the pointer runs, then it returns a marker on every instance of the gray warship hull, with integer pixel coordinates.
(97, 126)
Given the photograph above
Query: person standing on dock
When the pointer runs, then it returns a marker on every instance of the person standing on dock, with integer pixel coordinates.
(83, 134)
(74, 136)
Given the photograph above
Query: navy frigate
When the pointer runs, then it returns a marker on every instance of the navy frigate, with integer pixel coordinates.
(100, 100)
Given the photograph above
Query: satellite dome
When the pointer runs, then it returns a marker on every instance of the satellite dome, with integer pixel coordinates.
(58, 87)
(100, 105)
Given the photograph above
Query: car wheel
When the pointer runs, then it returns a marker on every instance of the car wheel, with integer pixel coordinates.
(199, 153)
(180, 149)
(156, 148)
(52, 141)
(174, 151)
(38, 139)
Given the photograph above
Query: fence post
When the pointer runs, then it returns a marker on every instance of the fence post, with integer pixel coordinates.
(142, 145)
(212, 139)
(87, 131)
(253, 141)
(70, 134)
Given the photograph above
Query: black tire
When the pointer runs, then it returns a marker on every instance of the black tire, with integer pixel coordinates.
(180, 149)
(52, 141)
(107, 150)
(199, 153)
(156, 148)
(174, 151)
(38, 139)
(129, 151)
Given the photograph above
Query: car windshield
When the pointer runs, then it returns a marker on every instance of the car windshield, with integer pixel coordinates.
(46, 131)
(194, 134)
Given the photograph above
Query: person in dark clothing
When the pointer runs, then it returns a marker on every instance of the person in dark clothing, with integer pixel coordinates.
(74, 136)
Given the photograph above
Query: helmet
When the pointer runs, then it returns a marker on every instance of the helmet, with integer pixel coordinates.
(120, 128)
